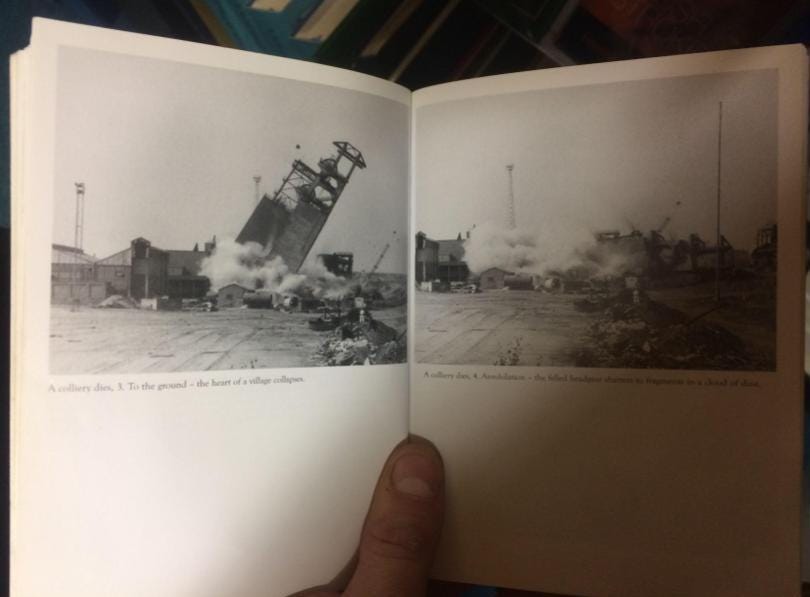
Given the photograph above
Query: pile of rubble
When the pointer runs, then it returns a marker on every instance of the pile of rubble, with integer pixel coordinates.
(382, 291)
(637, 332)
(117, 301)
(366, 342)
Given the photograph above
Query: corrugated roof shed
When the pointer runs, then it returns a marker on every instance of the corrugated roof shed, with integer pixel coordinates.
(120, 258)
(66, 254)
(234, 285)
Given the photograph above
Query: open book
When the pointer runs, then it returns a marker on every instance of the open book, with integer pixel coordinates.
(240, 280)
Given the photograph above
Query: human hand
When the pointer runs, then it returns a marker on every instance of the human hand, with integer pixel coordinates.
(401, 529)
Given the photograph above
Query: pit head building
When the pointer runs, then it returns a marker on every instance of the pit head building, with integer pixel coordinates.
(287, 223)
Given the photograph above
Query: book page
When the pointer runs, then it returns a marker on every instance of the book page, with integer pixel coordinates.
(209, 319)
(607, 323)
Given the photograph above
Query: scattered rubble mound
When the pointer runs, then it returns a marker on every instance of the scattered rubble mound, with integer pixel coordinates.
(637, 332)
(394, 296)
(511, 355)
(359, 343)
(117, 301)
(384, 290)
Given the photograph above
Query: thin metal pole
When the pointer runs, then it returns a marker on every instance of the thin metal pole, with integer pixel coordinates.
(719, 193)
(78, 232)
(511, 215)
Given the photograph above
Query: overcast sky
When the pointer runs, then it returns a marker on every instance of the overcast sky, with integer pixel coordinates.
(604, 156)
(168, 151)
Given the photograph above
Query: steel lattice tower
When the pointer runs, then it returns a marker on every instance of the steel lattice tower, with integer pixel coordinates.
(78, 233)
(511, 215)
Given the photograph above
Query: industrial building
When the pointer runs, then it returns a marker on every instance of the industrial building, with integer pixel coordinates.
(69, 264)
(140, 271)
(440, 259)
(494, 278)
(231, 296)
(657, 257)
(287, 223)
(172, 273)
(427, 258)
(452, 267)
(115, 272)
(73, 277)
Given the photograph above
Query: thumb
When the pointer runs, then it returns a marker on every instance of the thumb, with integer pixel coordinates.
(403, 525)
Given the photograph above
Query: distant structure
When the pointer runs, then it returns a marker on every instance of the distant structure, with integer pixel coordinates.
(340, 264)
(441, 259)
(78, 234)
(494, 278)
(73, 277)
(231, 296)
(141, 271)
(427, 258)
(257, 180)
(287, 223)
(511, 215)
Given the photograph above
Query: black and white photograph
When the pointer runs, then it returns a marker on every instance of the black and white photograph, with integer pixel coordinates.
(212, 219)
(620, 225)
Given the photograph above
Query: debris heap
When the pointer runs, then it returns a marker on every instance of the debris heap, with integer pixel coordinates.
(117, 301)
(363, 342)
(634, 331)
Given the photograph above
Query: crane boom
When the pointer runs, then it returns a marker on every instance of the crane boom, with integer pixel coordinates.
(380, 258)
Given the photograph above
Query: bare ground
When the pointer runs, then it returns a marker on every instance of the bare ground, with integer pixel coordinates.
(519, 327)
(91, 340)
(530, 328)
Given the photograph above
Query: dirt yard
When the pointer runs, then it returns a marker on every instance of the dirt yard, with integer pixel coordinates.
(92, 340)
(529, 328)
(517, 327)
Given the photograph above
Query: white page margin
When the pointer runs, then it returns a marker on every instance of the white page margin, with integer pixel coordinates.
(166, 493)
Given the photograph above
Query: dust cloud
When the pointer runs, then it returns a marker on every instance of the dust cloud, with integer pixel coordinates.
(549, 248)
(246, 265)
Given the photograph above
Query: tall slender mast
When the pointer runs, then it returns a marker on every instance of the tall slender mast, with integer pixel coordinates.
(718, 237)
(512, 223)
(78, 232)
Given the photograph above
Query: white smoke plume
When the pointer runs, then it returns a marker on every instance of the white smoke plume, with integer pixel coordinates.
(520, 250)
(547, 249)
(322, 283)
(246, 265)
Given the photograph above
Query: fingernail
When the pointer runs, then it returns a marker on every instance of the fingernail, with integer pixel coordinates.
(416, 476)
